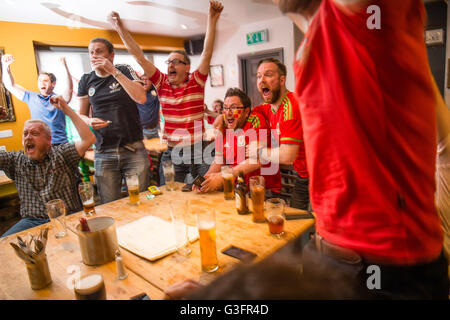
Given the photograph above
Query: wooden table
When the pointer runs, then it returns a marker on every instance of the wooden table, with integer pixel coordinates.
(231, 228)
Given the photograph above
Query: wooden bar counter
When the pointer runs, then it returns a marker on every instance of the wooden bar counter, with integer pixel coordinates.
(231, 229)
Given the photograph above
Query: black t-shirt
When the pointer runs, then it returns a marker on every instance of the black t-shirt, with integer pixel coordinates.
(111, 102)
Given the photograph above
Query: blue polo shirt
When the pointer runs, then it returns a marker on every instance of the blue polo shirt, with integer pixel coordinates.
(42, 109)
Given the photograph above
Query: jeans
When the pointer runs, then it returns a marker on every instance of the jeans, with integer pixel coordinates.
(112, 164)
(300, 194)
(351, 281)
(25, 223)
(193, 163)
(150, 133)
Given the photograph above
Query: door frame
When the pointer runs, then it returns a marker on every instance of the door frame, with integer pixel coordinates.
(242, 59)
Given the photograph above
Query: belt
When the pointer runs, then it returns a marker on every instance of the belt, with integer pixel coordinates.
(339, 253)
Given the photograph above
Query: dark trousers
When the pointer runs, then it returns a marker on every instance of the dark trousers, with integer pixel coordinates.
(300, 194)
(341, 280)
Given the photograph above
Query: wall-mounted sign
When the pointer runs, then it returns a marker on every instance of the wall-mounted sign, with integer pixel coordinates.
(433, 37)
(257, 37)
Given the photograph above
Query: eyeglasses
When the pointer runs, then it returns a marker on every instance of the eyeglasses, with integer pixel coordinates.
(226, 109)
(175, 62)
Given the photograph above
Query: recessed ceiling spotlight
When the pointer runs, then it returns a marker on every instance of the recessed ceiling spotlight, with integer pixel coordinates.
(184, 27)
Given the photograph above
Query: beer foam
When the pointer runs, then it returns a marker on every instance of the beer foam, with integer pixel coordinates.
(206, 225)
(89, 282)
(227, 175)
(89, 202)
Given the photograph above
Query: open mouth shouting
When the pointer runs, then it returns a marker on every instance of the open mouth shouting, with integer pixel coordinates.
(30, 148)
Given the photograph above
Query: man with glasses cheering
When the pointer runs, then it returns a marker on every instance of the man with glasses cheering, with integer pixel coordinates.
(181, 96)
(242, 128)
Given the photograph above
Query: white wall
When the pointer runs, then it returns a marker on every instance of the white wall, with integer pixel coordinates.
(231, 42)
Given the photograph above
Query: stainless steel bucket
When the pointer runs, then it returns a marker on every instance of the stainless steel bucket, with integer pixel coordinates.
(98, 246)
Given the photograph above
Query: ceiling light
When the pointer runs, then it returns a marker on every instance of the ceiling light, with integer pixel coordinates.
(184, 27)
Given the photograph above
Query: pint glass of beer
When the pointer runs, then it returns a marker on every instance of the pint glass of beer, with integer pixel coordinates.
(86, 191)
(257, 193)
(132, 180)
(275, 216)
(90, 287)
(228, 182)
(206, 224)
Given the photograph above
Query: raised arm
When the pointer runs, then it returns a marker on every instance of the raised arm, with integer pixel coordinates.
(67, 95)
(86, 135)
(134, 89)
(8, 79)
(132, 46)
(215, 8)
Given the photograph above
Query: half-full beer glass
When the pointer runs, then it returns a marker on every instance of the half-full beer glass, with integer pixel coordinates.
(228, 182)
(206, 224)
(257, 192)
(86, 191)
(275, 216)
(132, 180)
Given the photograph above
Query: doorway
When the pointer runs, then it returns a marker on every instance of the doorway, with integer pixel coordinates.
(248, 65)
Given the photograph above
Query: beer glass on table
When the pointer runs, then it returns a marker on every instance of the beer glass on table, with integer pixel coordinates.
(132, 181)
(86, 191)
(228, 182)
(257, 193)
(90, 287)
(178, 212)
(275, 216)
(206, 224)
(56, 211)
(169, 174)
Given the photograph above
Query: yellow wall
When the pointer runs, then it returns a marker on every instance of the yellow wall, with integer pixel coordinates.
(17, 39)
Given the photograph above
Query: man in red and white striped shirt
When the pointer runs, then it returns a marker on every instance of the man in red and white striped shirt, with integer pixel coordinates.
(181, 95)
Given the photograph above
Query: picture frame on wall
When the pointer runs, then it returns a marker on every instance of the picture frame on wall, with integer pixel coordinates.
(216, 75)
(5, 98)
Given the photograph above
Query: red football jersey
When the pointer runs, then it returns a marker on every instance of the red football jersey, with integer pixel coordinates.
(234, 145)
(286, 125)
(369, 124)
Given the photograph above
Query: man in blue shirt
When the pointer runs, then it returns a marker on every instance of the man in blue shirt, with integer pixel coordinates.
(149, 111)
(39, 103)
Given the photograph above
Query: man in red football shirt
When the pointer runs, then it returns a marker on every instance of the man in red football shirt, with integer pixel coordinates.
(369, 122)
(283, 115)
(242, 128)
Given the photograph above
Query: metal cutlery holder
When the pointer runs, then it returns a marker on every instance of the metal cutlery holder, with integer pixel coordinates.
(100, 244)
(39, 273)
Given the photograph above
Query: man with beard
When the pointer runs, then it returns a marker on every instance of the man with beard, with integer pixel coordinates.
(181, 95)
(38, 103)
(369, 113)
(113, 92)
(44, 172)
(243, 127)
(282, 113)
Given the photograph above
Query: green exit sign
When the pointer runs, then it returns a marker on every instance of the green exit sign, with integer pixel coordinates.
(257, 37)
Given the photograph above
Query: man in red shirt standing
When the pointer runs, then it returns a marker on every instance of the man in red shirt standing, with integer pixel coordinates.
(242, 128)
(283, 115)
(369, 122)
(181, 95)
